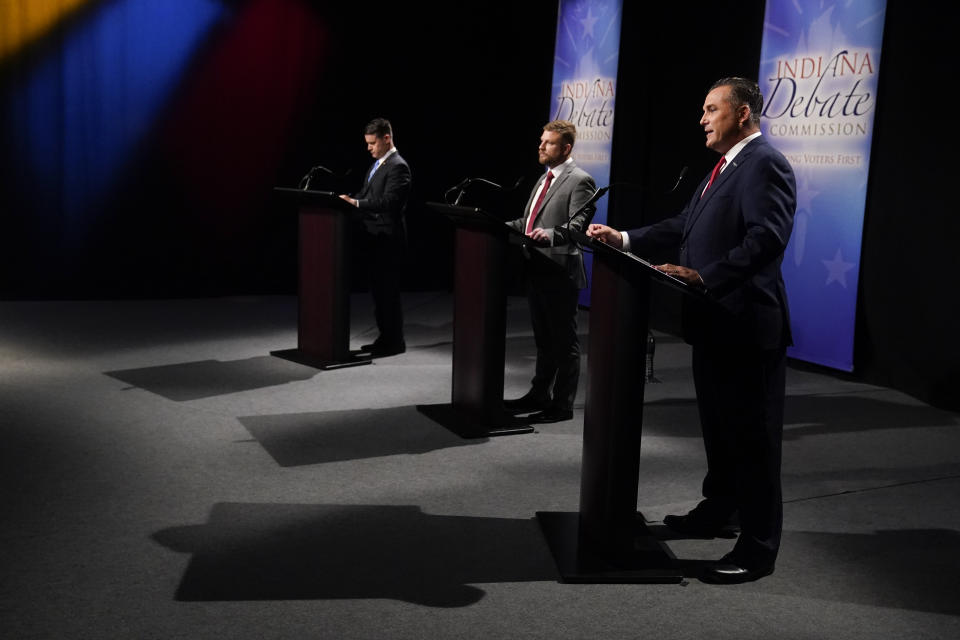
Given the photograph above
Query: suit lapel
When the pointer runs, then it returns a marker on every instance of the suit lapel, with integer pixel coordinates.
(526, 209)
(554, 186)
(378, 174)
(725, 176)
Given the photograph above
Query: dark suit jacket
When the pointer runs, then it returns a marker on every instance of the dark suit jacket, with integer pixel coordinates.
(383, 199)
(735, 236)
(568, 192)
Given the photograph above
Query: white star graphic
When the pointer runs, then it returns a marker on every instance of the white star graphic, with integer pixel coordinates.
(837, 269)
(588, 23)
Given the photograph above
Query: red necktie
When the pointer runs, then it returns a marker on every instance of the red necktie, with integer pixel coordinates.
(716, 172)
(536, 207)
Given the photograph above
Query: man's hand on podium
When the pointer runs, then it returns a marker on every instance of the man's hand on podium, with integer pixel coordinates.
(348, 199)
(540, 235)
(605, 234)
(688, 275)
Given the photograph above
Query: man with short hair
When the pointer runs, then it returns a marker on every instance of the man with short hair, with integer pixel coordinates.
(731, 236)
(383, 200)
(555, 275)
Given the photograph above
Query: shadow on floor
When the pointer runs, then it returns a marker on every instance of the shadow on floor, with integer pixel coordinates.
(809, 415)
(825, 414)
(297, 552)
(912, 569)
(206, 378)
(298, 439)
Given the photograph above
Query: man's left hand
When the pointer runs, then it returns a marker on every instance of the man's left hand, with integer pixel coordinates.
(689, 276)
(540, 235)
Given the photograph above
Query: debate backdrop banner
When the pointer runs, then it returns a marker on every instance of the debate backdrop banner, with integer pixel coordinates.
(818, 74)
(584, 88)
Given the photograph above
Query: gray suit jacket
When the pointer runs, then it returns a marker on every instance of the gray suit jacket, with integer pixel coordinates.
(568, 192)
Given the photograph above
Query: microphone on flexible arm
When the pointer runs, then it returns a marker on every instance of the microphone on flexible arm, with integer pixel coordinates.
(561, 230)
(676, 184)
(461, 186)
(466, 182)
(640, 187)
(305, 180)
(599, 193)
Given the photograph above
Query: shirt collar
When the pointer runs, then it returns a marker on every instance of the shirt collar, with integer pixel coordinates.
(737, 148)
(557, 170)
(384, 157)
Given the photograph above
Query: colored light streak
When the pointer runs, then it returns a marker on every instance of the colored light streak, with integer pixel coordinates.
(75, 118)
(22, 22)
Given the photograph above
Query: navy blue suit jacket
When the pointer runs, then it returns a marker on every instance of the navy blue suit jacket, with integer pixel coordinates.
(735, 237)
(383, 199)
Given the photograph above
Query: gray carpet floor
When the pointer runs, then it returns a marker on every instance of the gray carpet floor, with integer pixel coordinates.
(165, 477)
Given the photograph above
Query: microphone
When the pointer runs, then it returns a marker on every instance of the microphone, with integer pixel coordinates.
(305, 180)
(466, 182)
(642, 188)
(561, 230)
(485, 181)
(676, 184)
(461, 186)
(599, 193)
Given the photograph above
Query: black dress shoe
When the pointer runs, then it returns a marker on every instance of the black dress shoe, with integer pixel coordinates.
(695, 525)
(368, 347)
(551, 414)
(729, 571)
(384, 350)
(527, 403)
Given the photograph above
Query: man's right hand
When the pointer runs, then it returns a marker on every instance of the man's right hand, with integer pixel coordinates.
(606, 234)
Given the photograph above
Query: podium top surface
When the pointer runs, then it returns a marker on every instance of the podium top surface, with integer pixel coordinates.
(642, 265)
(460, 213)
(480, 218)
(327, 199)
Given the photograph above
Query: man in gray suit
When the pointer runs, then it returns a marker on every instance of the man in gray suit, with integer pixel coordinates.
(555, 275)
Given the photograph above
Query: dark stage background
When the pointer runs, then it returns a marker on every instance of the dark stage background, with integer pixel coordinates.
(106, 193)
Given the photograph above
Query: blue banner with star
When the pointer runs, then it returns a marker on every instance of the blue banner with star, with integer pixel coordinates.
(818, 74)
(584, 88)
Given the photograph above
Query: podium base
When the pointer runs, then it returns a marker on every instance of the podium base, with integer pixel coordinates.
(470, 425)
(301, 357)
(648, 562)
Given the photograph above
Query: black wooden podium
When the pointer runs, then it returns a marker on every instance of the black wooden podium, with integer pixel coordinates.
(323, 326)
(479, 326)
(607, 541)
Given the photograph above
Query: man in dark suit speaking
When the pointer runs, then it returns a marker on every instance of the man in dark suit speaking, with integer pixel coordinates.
(383, 200)
(731, 236)
(555, 276)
